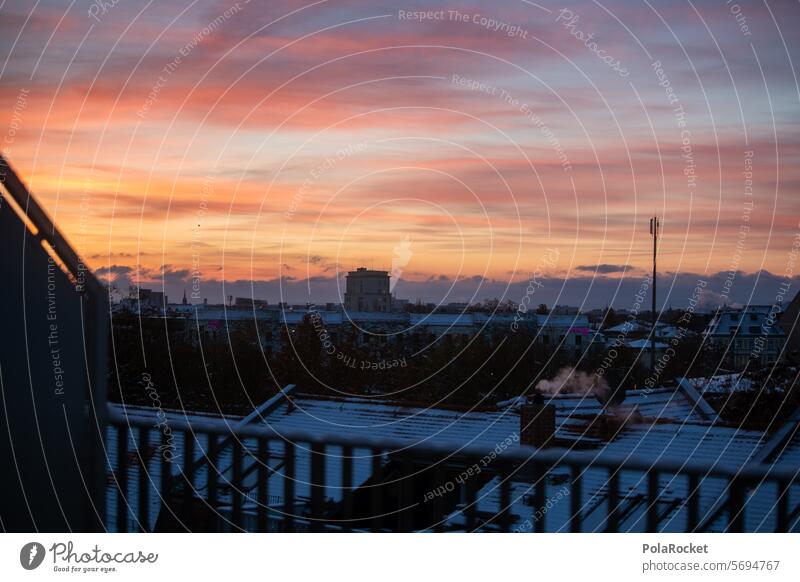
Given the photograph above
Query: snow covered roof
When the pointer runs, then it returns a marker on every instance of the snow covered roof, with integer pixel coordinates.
(640, 344)
(448, 319)
(661, 424)
(627, 327)
(552, 320)
(712, 445)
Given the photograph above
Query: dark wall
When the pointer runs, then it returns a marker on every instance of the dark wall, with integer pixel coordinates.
(45, 446)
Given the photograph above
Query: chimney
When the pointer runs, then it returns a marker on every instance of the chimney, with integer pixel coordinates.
(537, 423)
(614, 395)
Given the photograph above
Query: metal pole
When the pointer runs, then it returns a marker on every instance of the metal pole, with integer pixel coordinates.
(654, 231)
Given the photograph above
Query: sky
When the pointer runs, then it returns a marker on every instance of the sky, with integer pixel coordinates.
(267, 148)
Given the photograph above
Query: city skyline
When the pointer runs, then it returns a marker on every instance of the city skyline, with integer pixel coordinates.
(250, 143)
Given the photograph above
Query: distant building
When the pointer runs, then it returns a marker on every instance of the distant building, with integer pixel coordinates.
(789, 323)
(751, 333)
(570, 333)
(368, 290)
(152, 298)
(250, 302)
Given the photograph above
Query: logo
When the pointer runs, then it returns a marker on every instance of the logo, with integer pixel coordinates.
(31, 555)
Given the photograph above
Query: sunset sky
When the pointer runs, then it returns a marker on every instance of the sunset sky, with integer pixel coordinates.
(285, 143)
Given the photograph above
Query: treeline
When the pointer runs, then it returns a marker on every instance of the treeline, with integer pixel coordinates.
(233, 373)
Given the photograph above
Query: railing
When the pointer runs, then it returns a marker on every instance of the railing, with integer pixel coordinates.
(71, 422)
(257, 480)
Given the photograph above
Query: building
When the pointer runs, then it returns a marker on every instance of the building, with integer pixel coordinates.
(570, 333)
(788, 322)
(748, 334)
(250, 302)
(368, 290)
(149, 299)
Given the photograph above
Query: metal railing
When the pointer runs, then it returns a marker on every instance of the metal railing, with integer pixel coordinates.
(257, 480)
(38, 235)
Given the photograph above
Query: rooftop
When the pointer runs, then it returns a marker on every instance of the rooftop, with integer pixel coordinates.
(661, 424)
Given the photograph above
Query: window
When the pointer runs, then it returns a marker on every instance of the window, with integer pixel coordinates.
(753, 317)
(578, 339)
(754, 329)
(734, 317)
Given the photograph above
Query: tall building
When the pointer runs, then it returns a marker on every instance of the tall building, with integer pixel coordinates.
(368, 290)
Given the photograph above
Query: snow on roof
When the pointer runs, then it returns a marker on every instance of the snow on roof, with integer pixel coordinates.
(553, 320)
(672, 429)
(713, 445)
(627, 327)
(723, 383)
(644, 343)
(449, 319)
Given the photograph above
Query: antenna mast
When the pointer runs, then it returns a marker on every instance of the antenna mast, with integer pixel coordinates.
(654, 226)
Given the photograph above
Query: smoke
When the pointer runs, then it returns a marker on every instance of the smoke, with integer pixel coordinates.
(571, 381)
(402, 255)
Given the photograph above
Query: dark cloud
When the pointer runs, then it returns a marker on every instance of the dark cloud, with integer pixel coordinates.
(114, 270)
(604, 268)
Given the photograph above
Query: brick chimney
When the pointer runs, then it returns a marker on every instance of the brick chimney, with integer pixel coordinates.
(537, 423)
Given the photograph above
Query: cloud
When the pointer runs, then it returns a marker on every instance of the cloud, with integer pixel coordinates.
(604, 268)
(330, 81)
(113, 270)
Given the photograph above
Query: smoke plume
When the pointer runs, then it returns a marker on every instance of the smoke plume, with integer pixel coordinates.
(571, 381)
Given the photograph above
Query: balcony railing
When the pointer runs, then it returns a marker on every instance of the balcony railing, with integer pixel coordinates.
(256, 480)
